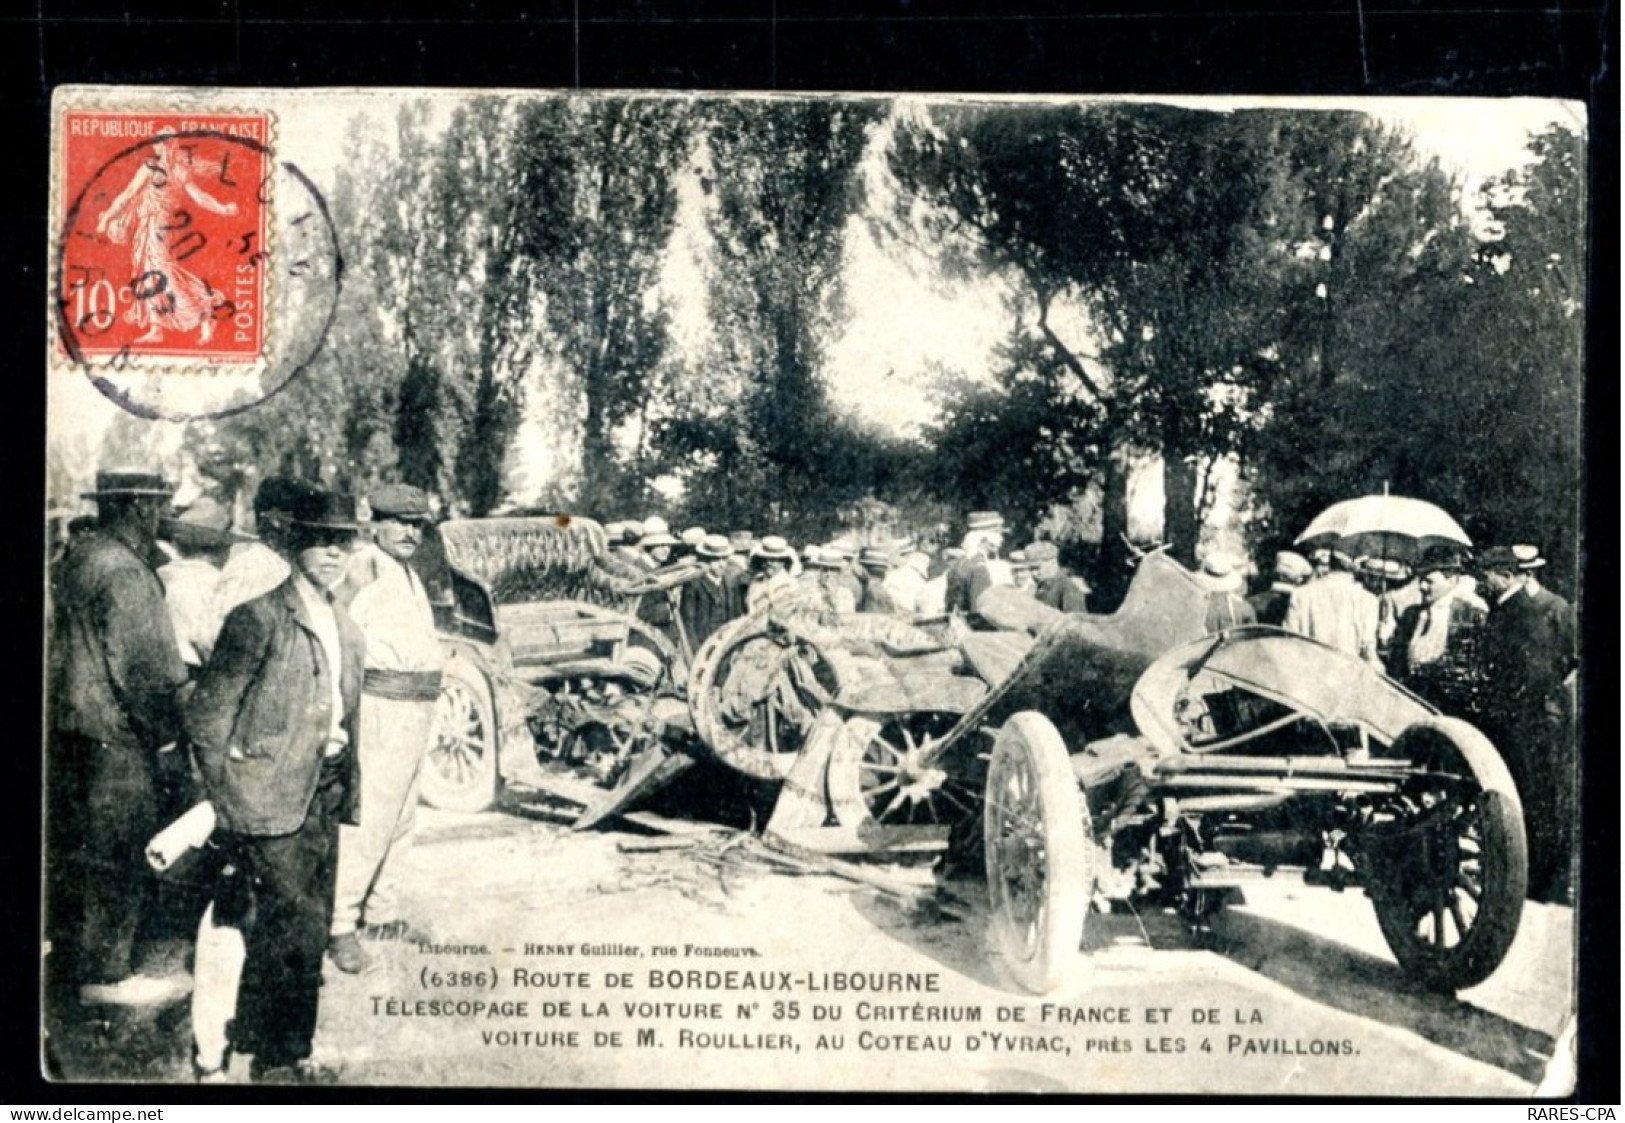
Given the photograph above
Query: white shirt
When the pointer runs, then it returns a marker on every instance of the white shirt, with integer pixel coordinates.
(190, 585)
(392, 609)
(250, 572)
(327, 633)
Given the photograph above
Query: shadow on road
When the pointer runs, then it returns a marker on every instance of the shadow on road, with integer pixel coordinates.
(1342, 978)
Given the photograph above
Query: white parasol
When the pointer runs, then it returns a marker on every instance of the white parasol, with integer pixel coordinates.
(1385, 526)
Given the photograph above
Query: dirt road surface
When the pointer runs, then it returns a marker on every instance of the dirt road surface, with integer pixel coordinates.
(563, 960)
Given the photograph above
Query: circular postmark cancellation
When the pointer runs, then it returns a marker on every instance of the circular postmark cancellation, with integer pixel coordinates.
(196, 273)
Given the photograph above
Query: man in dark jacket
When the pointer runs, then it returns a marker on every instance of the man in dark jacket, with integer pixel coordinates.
(273, 725)
(716, 597)
(1529, 660)
(1057, 587)
(1435, 649)
(114, 770)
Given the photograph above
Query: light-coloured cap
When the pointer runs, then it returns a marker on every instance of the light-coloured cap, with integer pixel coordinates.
(1290, 566)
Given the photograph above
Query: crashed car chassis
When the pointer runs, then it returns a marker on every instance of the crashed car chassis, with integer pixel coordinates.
(1232, 777)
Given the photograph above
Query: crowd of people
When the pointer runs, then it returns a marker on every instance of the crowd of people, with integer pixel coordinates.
(248, 718)
(740, 573)
(238, 723)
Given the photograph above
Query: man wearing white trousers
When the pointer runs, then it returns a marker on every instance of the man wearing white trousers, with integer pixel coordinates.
(398, 700)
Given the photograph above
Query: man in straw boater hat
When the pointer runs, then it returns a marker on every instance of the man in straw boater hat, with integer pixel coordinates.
(717, 595)
(771, 583)
(114, 720)
(1291, 571)
(1224, 582)
(980, 568)
(399, 692)
(274, 724)
(1531, 660)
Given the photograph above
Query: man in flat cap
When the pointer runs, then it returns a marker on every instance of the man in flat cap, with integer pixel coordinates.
(1057, 587)
(115, 678)
(875, 562)
(274, 724)
(399, 693)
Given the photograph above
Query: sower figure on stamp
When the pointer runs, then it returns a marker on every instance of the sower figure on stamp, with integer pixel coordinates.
(115, 678)
(398, 698)
(274, 726)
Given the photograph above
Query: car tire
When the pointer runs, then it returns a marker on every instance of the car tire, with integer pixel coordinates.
(1040, 856)
(460, 771)
(1458, 864)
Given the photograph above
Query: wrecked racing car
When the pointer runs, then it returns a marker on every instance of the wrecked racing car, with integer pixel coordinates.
(545, 657)
(1125, 757)
(1174, 779)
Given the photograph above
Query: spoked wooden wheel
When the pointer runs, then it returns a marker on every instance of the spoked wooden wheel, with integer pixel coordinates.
(1446, 859)
(460, 772)
(886, 772)
(754, 693)
(1039, 854)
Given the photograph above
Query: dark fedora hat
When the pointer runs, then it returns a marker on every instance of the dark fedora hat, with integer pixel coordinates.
(112, 482)
(1441, 557)
(322, 510)
(1498, 559)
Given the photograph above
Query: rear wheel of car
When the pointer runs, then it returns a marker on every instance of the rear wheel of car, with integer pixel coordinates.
(1447, 859)
(1040, 859)
(460, 772)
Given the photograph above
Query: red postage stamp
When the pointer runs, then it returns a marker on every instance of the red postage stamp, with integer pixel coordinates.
(163, 252)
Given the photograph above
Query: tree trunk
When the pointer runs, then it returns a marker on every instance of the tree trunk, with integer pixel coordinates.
(596, 461)
(1114, 571)
(1181, 528)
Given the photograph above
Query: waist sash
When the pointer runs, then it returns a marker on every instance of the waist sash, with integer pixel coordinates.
(402, 686)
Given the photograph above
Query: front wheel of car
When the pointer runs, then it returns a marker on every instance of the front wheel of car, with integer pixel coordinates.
(1447, 860)
(1040, 858)
(460, 772)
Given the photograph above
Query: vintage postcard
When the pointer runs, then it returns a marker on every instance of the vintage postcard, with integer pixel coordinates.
(865, 593)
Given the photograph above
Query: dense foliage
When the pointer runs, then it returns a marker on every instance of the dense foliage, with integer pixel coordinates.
(1299, 294)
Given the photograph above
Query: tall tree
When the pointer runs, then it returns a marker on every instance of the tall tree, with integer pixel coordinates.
(783, 188)
(1137, 221)
(599, 201)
